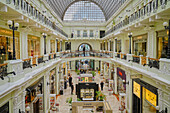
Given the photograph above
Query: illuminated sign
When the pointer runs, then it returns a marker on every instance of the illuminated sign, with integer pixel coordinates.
(5, 32)
(136, 89)
(151, 97)
(120, 73)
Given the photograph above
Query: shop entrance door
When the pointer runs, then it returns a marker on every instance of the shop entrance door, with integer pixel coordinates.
(136, 104)
(36, 106)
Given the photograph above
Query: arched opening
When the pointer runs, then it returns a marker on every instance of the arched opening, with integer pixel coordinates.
(86, 45)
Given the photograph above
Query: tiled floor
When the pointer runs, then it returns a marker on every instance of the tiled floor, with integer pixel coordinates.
(65, 108)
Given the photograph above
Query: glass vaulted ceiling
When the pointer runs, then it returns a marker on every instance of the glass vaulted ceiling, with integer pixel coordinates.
(109, 7)
(84, 10)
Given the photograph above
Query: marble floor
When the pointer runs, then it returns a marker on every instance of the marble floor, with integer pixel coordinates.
(65, 108)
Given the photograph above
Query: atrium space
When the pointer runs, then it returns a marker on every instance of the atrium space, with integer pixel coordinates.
(84, 56)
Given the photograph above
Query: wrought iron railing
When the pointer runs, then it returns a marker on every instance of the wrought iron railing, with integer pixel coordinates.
(27, 63)
(136, 59)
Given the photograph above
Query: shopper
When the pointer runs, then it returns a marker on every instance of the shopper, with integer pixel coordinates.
(70, 80)
(102, 84)
(72, 88)
(84, 49)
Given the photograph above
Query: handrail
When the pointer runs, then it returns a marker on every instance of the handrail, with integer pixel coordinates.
(26, 59)
(147, 8)
(3, 64)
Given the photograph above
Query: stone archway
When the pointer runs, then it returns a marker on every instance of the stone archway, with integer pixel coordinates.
(87, 46)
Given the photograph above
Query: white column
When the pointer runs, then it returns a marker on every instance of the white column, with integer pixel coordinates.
(73, 65)
(48, 44)
(110, 70)
(66, 69)
(115, 79)
(104, 69)
(57, 80)
(55, 46)
(129, 92)
(24, 44)
(63, 46)
(151, 44)
(41, 45)
(123, 46)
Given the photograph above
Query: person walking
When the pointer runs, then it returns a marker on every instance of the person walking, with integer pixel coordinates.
(102, 84)
(72, 88)
(84, 49)
(70, 80)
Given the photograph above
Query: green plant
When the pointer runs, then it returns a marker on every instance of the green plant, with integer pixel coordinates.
(100, 96)
(79, 99)
(93, 73)
(78, 72)
(69, 100)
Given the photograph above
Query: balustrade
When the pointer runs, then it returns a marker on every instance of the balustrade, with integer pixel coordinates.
(136, 59)
(27, 63)
(151, 6)
(3, 70)
(28, 8)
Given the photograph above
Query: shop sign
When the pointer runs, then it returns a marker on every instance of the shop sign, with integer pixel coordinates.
(151, 97)
(121, 73)
(5, 32)
(136, 89)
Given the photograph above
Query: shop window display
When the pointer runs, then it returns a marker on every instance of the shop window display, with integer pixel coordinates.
(118, 46)
(6, 45)
(140, 45)
(33, 45)
(52, 46)
(162, 40)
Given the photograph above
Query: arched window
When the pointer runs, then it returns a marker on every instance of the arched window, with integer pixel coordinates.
(84, 10)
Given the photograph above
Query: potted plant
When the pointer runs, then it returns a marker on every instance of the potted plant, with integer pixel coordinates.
(100, 96)
(93, 74)
(69, 100)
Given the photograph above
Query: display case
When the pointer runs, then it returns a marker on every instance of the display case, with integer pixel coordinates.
(52, 100)
(40, 96)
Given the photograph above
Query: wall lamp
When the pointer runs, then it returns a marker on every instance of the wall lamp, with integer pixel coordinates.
(124, 82)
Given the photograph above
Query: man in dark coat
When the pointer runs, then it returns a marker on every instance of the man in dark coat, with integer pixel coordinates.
(72, 88)
(70, 80)
(102, 84)
(84, 49)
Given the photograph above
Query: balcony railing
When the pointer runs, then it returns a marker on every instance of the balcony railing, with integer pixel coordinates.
(27, 63)
(146, 10)
(100, 54)
(26, 7)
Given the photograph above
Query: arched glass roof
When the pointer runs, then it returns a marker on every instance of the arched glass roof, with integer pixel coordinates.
(109, 7)
(84, 10)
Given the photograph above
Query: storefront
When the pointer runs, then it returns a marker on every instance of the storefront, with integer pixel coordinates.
(140, 45)
(120, 77)
(145, 97)
(33, 45)
(118, 46)
(86, 91)
(4, 108)
(34, 97)
(162, 44)
(52, 81)
(6, 45)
